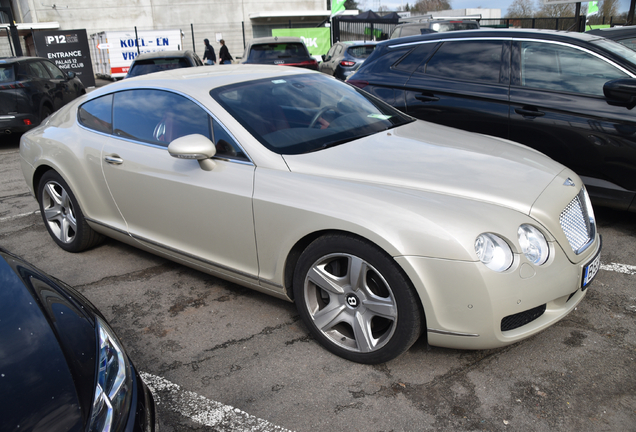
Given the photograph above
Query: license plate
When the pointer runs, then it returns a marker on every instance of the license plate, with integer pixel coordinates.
(590, 270)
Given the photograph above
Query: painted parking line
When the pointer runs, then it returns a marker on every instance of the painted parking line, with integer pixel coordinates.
(204, 411)
(619, 268)
(8, 218)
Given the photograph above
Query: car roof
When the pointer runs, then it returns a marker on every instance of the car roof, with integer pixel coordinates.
(275, 39)
(359, 42)
(5, 60)
(198, 81)
(164, 54)
(614, 31)
(489, 32)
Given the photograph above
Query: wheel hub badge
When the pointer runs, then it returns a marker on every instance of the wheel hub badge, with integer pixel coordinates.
(352, 301)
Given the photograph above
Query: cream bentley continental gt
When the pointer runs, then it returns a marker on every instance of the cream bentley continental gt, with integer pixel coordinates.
(378, 226)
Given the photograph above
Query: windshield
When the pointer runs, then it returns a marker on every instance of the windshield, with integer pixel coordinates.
(617, 49)
(304, 113)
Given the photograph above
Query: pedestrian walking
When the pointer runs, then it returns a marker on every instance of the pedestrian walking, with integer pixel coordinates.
(224, 54)
(209, 58)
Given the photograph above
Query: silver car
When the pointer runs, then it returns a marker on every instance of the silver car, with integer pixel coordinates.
(378, 226)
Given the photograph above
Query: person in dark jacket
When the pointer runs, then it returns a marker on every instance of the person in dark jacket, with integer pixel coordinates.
(209, 58)
(224, 54)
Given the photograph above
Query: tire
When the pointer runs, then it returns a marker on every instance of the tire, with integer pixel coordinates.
(44, 113)
(62, 215)
(368, 319)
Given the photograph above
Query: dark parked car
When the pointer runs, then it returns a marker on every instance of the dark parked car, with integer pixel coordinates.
(163, 60)
(433, 25)
(345, 57)
(623, 35)
(62, 367)
(568, 95)
(284, 51)
(31, 88)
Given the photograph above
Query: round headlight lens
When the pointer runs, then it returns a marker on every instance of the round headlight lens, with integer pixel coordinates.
(493, 251)
(533, 244)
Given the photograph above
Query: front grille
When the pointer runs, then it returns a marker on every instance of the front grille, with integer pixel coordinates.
(577, 222)
(512, 322)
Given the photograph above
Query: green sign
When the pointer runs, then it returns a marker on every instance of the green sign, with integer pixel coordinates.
(317, 40)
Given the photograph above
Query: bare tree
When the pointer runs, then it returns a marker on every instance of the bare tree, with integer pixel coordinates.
(423, 6)
(521, 9)
(608, 8)
(556, 10)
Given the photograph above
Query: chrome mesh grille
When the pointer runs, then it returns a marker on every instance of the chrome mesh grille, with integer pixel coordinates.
(577, 222)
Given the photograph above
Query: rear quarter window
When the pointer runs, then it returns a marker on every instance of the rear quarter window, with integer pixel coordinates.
(96, 114)
(6, 73)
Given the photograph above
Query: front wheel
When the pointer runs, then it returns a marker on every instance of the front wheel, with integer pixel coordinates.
(62, 215)
(355, 300)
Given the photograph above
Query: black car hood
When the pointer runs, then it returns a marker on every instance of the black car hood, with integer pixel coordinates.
(47, 352)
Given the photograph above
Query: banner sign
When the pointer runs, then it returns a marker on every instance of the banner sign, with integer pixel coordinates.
(68, 49)
(317, 40)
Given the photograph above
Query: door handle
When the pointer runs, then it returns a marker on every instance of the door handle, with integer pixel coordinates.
(426, 98)
(114, 160)
(529, 112)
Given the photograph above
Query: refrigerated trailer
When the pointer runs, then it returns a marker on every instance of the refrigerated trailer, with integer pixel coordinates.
(114, 51)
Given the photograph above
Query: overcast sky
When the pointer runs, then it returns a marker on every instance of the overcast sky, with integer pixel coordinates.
(461, 4)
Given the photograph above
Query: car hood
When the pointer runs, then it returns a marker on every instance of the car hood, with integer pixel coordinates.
(427, 157)
(39, 391)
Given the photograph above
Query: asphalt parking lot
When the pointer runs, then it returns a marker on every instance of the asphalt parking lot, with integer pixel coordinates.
(220, 357)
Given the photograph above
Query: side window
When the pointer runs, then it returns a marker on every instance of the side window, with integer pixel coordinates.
(331, 52)
(97, 114)
(478, 60)
(338, 51)
(157, 116)
(38, 71)
(562, 68)
(55, 72)
(226, 147)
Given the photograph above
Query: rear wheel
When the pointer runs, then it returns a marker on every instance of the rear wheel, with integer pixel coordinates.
(44, 113)
(355, 300)
(62, 215)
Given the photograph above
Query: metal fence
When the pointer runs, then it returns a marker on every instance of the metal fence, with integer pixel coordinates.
(567, 23)
(354, 30)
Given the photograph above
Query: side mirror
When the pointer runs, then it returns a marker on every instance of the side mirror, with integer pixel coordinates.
(324, 57)
(194, 146)
(621, 92)
(70, 74)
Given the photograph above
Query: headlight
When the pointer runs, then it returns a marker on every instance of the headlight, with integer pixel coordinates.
(533, 244)
(111, 402)
(493, 251)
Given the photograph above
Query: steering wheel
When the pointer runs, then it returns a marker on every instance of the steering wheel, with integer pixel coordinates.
(319, 114)
(160, 131)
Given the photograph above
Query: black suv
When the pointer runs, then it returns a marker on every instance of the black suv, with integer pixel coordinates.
(31, 88)
(568, 95)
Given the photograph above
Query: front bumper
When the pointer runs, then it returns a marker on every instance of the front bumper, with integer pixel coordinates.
(465, 302)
